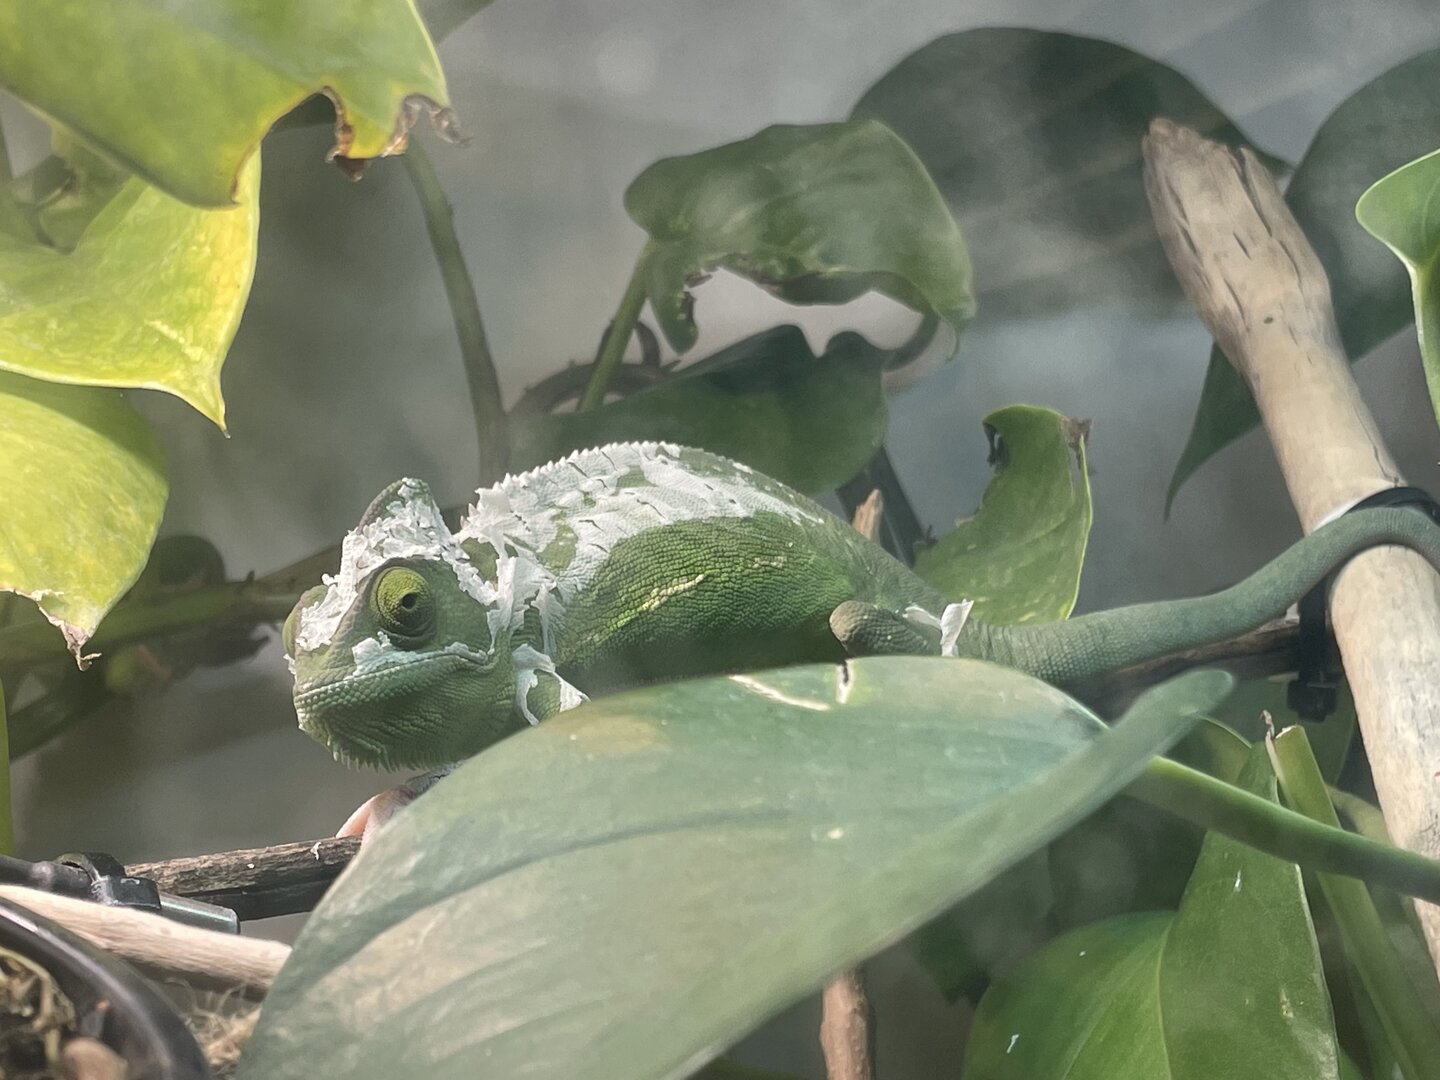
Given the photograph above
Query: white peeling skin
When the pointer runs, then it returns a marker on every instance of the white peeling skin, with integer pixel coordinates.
(608, 495)
(371, 654)
(411, 527)
(952, 621)
(529, 663)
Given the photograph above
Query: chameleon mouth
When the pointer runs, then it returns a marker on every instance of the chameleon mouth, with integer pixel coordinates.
(371, 720)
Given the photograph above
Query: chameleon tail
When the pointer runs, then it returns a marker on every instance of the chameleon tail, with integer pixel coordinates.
(1104, 641)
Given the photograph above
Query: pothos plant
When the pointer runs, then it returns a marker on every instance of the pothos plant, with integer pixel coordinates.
(638, 927)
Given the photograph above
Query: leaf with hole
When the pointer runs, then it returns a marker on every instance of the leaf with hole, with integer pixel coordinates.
(814, 213)
(1019, 558)
(720, 846)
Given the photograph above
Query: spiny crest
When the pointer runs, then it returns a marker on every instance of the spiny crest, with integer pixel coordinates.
(403, 521)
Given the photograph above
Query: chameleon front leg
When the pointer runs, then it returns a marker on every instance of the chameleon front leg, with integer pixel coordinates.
(375, 811)
(865, 629)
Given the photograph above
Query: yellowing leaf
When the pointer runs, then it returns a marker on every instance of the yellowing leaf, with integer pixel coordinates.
(182, 91)
(82, 489)
(149, 297)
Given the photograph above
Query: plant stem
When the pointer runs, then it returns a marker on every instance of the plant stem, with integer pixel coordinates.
(7, 828)
(460, 289)
(1214, 804)
(7, 171)
(617, 337)
(1409, 1030)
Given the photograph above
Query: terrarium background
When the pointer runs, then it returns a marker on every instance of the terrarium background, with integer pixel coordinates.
(345, 373)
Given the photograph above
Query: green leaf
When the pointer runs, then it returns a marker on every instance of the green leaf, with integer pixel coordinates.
(55, 202)
(1391, 120)
(812, 422)
(625, 890)
(215, 77)
(1230, 986)
(1033, 138)
(82, 489)
(1019, 557)
(1403, 212)
(815, 213)
(1260, 706)
(150, 295)
(1411, 1031)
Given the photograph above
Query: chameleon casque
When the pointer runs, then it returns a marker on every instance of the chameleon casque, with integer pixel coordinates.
(637, 562)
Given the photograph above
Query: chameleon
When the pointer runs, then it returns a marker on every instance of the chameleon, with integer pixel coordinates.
(638, 562)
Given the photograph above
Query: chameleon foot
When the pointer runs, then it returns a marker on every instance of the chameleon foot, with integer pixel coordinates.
(866, 630)
(375, 812)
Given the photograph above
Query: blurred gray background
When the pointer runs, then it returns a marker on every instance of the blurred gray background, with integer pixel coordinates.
(345, 373)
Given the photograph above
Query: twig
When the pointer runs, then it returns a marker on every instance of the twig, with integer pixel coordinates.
(460, 289)
(259, 882)
(204, 958)
(1265, 651)
(846, 1032)
(569, 382)
(617, 337)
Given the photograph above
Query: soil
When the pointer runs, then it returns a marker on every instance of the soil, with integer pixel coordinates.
(36, 1020)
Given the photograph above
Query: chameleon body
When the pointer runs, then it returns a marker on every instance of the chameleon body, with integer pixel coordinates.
(643, 561)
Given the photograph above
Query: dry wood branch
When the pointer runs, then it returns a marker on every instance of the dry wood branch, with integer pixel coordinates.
(846, 1031)
(1269, 650)
(204, 958)
(256, 883)
(1261, 290)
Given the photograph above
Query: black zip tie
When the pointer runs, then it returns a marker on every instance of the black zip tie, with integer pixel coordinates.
(1316, 689)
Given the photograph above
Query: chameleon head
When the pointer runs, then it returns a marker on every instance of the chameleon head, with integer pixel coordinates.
(403, 658)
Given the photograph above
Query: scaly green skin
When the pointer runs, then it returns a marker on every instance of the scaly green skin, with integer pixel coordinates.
(641, 562)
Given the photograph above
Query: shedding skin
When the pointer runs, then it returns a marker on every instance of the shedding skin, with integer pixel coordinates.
(638, 562)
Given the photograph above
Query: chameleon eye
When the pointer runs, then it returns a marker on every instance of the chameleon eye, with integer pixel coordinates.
(402, 601)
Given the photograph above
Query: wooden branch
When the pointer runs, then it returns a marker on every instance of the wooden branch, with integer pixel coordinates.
(847, 1026)
(1247, 267)
(162, 947)
(846, 1029)
(259, 882)
(1269, 650)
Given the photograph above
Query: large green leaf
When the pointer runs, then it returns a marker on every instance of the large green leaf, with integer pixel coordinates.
(1019, 557)
(1403, 211)
(1391, 120)
(1230, 986)
(82, 489)
(768, 401)
(150, 295)
(214, 76)
(625, 890)
(815, 213)
(1033, 138)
